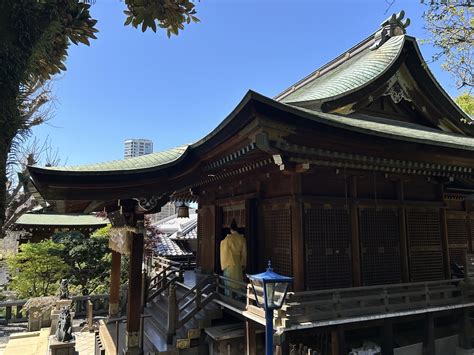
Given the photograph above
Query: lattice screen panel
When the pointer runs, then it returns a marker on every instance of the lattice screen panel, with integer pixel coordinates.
(328, 248)
(457, 239)
(380, 246)
(424, 243)
(277, 229)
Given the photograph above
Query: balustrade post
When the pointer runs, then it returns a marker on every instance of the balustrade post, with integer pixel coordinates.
(172, 313)
(8, 313)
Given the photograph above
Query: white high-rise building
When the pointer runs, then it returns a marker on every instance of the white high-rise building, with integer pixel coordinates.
(137, 147)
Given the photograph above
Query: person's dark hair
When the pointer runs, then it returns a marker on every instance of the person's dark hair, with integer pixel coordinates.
(233, 225)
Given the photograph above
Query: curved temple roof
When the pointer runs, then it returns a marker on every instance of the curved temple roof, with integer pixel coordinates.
(371, 62)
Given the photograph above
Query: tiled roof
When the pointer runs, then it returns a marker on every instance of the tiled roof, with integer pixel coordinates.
(152, 160)
(392, 129)
(189, 234)
(167, 247)
(51, 219)
(350, 75)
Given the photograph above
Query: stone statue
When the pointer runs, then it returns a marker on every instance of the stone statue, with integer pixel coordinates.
(64, 290)
(64, 330)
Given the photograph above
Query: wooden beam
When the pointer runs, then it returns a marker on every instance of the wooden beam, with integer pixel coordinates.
(355, 237)
(403, 233)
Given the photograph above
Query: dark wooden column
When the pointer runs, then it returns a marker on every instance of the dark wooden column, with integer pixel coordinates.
(403, 233)
(250, 338)
(387, 344)
(338, 341)
(465, 333)
(297, 235)
(114, 297)
(429, 343)
(444, 236)
(132, 335)
(251, 235)
(355, 238)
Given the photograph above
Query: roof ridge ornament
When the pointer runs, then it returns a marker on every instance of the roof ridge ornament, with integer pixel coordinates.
(395, 25)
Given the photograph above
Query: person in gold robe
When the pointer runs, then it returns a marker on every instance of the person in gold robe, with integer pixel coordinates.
(233, 258)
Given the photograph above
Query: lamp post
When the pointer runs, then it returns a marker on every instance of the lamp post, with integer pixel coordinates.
(270, 292)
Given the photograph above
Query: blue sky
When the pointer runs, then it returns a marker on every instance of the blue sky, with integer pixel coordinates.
(130, 84)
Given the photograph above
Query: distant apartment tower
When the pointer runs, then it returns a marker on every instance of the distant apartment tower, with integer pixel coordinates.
(137, 147)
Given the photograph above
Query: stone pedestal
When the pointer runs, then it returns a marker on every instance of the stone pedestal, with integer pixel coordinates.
(61, 348)
(60, 304)
(132, 342)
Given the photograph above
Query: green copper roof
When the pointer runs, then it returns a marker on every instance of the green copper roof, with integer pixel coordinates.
(50, 219)
(352, 74)
(392, 129)
(152, 160)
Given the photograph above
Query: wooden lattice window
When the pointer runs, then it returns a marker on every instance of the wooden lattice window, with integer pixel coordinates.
(328, 248)
(424, 243)
(380, 246)
(457, 239)
(277, 229)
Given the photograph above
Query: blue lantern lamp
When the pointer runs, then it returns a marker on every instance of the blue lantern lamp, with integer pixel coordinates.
(270, 291)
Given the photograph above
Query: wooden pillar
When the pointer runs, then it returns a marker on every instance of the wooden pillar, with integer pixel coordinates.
(465, 332)
(132, 335)
(403, 233)
(429, 343)
(297, 235)
(387, 344)
(114, 297)
(251, 235)
(355, 237)
(250, 338)
(445, 243)
(338, 341)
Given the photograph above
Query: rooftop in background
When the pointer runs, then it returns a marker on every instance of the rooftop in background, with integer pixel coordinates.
(52, 219)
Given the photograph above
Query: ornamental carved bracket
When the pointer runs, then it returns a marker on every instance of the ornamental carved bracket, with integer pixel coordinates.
(397, 93)
(152, 203)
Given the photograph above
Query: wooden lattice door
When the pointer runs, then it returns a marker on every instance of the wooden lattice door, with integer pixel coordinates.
(328, 248)
(424, 243)
(206, 238)
(380, 246)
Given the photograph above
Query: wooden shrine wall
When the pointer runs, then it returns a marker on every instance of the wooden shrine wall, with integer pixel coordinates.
(328, 246)
(380, 246)
(424, 244)
(277, 236)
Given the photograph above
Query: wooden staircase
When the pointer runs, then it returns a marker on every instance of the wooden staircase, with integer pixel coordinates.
(176, 315)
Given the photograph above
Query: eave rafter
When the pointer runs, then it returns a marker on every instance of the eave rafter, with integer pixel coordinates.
(299, 154)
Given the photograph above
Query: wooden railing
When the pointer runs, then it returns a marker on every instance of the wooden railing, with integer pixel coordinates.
(12, 312)
(166, 272)
(352, 302)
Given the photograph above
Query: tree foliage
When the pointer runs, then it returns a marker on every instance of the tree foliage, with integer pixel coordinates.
(87, 258)
(34, 38)
(466, 102)
(451, 27)
(36, 269)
